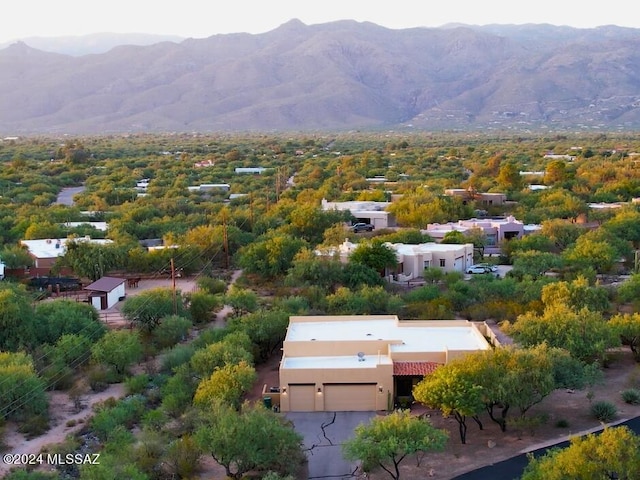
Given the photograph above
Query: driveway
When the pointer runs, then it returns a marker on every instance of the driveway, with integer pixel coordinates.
(323, 434)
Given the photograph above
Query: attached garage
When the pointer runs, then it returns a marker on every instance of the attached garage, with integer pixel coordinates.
(345, 397)
(301, 398)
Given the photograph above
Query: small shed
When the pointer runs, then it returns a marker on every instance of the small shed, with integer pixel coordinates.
(105, 292)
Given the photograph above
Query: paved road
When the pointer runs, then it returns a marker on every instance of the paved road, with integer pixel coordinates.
(65, 197)
(512, 468)
(323, 434)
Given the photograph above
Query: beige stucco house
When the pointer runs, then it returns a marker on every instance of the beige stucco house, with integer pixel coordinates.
(496, 230)
(414, 258)
(371, 212)
(482, 198)
(364, 363)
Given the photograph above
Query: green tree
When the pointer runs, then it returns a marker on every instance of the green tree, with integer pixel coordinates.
(241, 300)
(628, 328)
(271, 255)
(386, 441)
(577, 294)
(587, 253)
(118, 349)
(227, 384)
(375, 255)
(311, 269)
(534, 264)
(509, 177)
(147, 309)
(92, 260)
(202, 306)
(16, 317)
(55, 319)
(452, 391)
(233, 349)
(252, 439)
(14, 256)
(607, 455)
(585, 334)
(23, 392)
(454, 237)
(266, 329)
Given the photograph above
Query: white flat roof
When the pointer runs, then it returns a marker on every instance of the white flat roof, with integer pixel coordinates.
(351, 361)
(406, 338)
(55, 247)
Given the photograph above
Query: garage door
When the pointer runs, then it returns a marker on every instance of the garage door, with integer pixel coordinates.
(301, 398)
(347, 397)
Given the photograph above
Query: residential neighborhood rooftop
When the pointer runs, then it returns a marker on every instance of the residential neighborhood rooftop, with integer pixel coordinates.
(404, 336)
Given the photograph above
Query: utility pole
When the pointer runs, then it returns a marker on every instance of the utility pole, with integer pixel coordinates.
(225, 244)
(173, 287)
(251, 209)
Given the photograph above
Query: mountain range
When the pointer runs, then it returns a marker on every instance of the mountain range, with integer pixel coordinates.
(335, 76)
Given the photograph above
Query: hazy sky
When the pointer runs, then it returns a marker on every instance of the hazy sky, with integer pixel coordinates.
(203, 18)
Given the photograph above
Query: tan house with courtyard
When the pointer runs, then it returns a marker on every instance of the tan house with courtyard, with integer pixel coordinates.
(365, 362)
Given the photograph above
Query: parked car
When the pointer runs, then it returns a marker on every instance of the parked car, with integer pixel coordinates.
(361, 227)
(477, 269)
(488, 266)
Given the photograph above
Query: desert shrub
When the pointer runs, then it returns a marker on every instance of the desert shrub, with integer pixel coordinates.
(631, 396)
(202, 306)
(99, 377)
(154, 419)
(136, 384)
(178, 355)
(562, 423)
(125, 412)
(170, 331)
(212, 286)
(34, 425)
(184, 456)
(604, 411)
(22, 474)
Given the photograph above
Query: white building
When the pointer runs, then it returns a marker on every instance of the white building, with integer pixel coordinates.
(368, 212)
(496, 231)
(413, 259)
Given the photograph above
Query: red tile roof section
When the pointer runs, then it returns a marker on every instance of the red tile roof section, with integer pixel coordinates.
(414, 368)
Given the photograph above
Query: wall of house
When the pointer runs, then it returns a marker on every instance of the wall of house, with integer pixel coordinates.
(314, 348)
(114, 295)
(379, 374)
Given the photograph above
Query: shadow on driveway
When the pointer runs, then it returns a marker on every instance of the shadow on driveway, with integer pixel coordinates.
(323, 434)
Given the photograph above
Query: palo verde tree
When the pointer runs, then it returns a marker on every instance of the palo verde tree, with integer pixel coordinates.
(91, 260)
(386, 441)
(628, 328)
(118, 349)
(455, 393)
(375, 255)
(585, 334)
(147, 309)
(253, 438)
(22, 392)
(611, 454)
(16, 317)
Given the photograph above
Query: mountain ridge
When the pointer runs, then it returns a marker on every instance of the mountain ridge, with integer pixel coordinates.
(334, 76)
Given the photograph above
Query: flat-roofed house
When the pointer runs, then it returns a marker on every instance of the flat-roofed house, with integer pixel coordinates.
(364, 211)
(496, 230)
(414, 258)
(45, 252)
(363, 363)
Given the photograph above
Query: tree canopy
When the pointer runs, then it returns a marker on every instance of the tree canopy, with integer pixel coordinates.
(387, 440)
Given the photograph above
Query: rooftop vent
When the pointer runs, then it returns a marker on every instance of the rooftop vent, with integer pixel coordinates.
(361, 356)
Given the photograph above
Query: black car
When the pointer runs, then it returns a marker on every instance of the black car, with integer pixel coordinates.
(361, 227)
